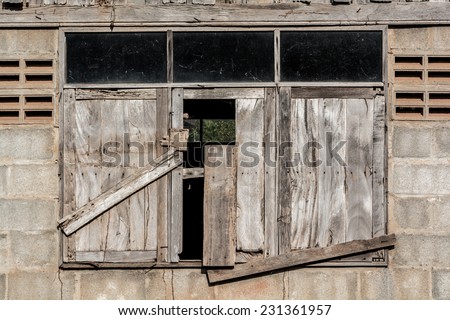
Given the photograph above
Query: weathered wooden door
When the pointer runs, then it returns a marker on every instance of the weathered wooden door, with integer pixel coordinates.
(109, 137)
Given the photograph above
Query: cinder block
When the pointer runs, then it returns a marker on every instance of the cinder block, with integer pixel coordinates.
(411, 142)
(376, 284)
(33, 180)
(34, 249)
(31, 41)
(26, 144)
(441, 35)
(204, 2)
(440, 210)
(3, 179)
(158, 284)
(34, 286)
(410, 283)
(328, 284)
(27, 215)
(395, 283)
(4, 256)
(411, 212)
(112, 284)
(265, 287)
(421, 251)
(442, 142)
(2, 286)
(420, 179)
(441, 284)
(186, 279)
(410, 38)
(69, 284)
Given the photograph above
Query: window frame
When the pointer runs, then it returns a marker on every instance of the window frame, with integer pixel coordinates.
(234, 89)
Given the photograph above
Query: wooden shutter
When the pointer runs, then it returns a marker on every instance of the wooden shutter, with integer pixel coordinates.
(132, 123)
(333, 191)
(328, 198)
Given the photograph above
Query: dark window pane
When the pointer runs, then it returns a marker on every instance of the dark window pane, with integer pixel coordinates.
(116, 57)
(331, 56)
(223, 57)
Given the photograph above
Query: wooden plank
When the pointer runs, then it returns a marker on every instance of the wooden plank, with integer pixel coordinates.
(331, 173)
(130, 256)
(87, 158)
(250, 174)
(284, 155)
(162, 121)
(151, 192)
(69, 167)
(151, 216)
(270, 168)
(224, 93)
(301, 257)
(379, 165)
(332, 92)
(303, 176)
(116, 256)
(121, 94)
(219, 239)
(176, 176)
(359, 130)
(190, 173)
(121, 191)
(235, 15)
(118, 232)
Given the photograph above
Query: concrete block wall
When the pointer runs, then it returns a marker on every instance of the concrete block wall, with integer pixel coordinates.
(29, 249)
(419, 213)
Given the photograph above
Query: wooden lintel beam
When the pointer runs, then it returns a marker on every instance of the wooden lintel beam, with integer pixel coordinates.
(119, 192)
(301, 257)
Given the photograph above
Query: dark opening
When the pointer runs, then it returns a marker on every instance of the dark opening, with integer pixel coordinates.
(9, 114)
(223, 56)
(38, 114)
(409, 111)
(39, 77)
(439, 75)
(117, 57)
(331, 56)
(9, 78)
(39, 63)
(209, 122)
(409, 60)
(192, 219)
(41, 99)
(439, 111)
(439, 60)
(9, 64)
(408, 75)
(8, 100)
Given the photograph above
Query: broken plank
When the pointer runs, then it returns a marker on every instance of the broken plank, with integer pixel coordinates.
(301, 257)
(121, 191)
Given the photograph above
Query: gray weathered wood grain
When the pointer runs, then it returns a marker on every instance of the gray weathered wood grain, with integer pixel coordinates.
(219, 241)
(359, 130)
(331, 173)
(378, 164)
(284, 155)
(250, 174)
(303, 175)
(238, 15)
(270, 167)
(121, 191)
